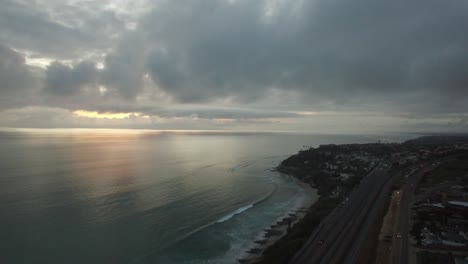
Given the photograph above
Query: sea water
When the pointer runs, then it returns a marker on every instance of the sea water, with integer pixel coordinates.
(74, 196)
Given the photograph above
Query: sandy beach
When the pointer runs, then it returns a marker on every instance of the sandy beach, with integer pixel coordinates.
(279, 228)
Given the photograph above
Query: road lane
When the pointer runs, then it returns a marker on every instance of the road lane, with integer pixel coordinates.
(340, 236)
(338, 230)
(401, 237)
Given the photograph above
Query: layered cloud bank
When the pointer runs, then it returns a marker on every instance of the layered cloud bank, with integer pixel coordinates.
(275, 65)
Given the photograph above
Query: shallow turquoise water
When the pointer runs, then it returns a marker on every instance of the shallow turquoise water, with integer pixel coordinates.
(142, 197)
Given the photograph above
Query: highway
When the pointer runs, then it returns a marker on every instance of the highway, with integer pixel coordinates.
(401, 236)
(339, 237)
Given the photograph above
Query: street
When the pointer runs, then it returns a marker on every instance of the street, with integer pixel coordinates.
(339, 237)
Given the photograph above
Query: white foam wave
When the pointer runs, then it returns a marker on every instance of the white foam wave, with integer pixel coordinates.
(238, 211)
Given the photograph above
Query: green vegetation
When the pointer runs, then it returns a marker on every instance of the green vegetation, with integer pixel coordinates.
(447, 171)
(285, 248)
(321, 168)
(334, 170)
(434, 258)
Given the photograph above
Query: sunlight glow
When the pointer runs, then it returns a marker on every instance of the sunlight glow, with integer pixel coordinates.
(94, 114)
(307, 113)
(38, 62)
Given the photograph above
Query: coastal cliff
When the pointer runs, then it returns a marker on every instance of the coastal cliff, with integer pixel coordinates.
(334, 170)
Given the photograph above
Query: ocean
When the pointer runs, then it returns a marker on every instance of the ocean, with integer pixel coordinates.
(130, 196)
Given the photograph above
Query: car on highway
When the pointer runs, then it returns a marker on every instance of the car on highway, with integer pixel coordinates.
(398, 235)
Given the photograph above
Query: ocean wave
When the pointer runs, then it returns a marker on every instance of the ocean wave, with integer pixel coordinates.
(231, 215)
(247, 207)
(243, 165)
(238, 211)
(219, 221)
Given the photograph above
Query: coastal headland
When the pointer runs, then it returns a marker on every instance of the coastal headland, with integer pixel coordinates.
(354, 182)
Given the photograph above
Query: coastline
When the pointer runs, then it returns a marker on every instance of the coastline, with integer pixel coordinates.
(279, 228)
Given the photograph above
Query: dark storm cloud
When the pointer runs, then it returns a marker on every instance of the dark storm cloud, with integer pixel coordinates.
(17, 81)
(64, 80)
(65, 32)
(360, 55)
(122, 77)
(378, 50)
(220, 113)
(219, 50)
(125, 67)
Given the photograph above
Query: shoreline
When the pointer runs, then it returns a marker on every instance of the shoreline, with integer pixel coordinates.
(334, 171)
(279, 228)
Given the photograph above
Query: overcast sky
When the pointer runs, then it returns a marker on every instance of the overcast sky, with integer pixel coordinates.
(335, 66)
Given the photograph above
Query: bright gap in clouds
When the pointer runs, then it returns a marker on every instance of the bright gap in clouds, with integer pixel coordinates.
(107, 115)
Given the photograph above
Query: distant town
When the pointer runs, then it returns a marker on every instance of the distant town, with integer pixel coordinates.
(380, 203)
